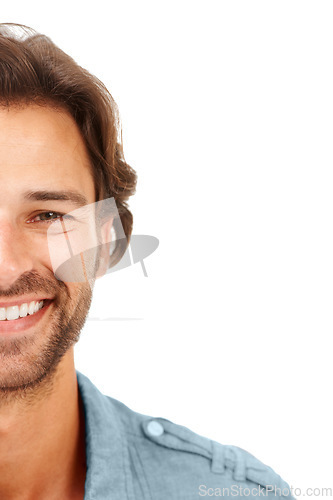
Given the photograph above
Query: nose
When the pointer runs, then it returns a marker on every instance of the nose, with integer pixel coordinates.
(16, 256)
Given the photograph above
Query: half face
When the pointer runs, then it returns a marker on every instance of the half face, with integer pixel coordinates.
(44, 173)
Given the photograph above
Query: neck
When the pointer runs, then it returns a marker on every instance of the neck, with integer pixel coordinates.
(42, 437)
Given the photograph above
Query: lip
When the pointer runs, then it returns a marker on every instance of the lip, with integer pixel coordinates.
(20, 325)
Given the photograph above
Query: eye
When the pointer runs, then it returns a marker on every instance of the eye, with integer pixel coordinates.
(47, 216)
(50, 217)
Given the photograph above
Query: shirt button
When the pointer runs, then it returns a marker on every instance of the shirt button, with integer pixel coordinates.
(154, 428)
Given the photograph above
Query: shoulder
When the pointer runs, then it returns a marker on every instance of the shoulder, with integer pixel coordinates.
(171, 461)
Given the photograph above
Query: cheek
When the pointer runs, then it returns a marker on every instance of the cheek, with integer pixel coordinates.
(36, 247)
(73, 255)
(48, 256)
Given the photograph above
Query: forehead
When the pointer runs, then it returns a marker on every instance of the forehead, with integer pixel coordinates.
(41, 147)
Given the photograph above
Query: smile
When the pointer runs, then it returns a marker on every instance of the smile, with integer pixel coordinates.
(20, 311)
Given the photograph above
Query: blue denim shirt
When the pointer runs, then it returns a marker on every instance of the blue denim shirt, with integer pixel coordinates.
(131, 456)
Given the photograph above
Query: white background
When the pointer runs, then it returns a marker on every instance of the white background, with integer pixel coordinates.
(227, 113)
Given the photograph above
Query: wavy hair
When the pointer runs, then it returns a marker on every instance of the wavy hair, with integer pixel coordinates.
(33, 70)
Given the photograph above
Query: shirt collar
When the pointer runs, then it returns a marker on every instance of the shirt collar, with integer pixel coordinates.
(105, 445)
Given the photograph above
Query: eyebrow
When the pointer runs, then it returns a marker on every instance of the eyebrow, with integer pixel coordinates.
(74, 197)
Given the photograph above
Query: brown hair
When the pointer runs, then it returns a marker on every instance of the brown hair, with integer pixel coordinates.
(34, 70)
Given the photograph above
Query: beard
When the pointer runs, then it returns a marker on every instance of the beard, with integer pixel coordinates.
(28, 362)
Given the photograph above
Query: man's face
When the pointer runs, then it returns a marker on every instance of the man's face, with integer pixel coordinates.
(42, 158)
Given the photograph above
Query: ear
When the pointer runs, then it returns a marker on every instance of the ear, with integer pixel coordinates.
(105, 248)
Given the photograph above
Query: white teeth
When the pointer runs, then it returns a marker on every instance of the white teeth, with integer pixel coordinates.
(12, 312)
(23, 310)
(15, 312)
(38, 305)
(31, 308)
